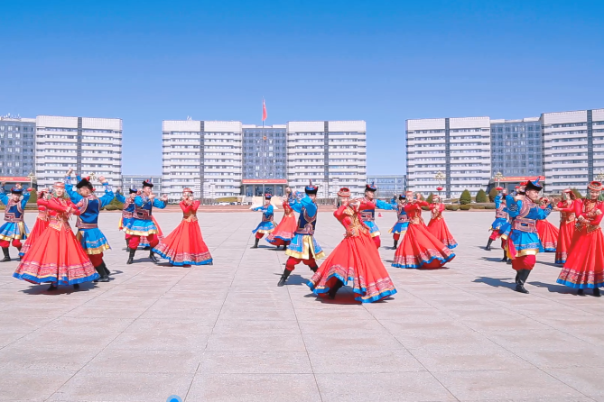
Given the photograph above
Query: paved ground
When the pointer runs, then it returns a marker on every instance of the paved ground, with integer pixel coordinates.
(227, 333)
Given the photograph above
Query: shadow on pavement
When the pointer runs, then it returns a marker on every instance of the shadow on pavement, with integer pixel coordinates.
(495, 282)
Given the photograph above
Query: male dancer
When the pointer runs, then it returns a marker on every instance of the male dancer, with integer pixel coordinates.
(266, 225)
(523, 242)
(127, 211)
(91, 238)
(14, 230)
(303, 247)
(400, 227)
(367, 208)
(142, 223)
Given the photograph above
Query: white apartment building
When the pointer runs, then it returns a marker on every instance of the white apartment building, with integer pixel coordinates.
(202, 155)
(457, 148)
(17, 146)
(333, 154)
(88, 145)
(573, 146)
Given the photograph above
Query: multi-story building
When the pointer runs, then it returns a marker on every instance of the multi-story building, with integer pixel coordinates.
(17, 146)
(453, 153)
(573, 148)
(229, 158)
(516, 147)
(88, 145)
(389, 185)
(202, 155)
(136, 181)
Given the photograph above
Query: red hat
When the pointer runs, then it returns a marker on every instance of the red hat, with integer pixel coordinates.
(595, 186)
(344, 192)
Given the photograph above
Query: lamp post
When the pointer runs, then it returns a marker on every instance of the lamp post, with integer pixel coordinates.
(498, 177)
(31, 179)
(439, 178)
(600, 176)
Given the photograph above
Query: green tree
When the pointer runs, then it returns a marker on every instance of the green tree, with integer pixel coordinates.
(421, 197)
(481, 196)
(466, 197)
(33, 199)
(577, 193)
(114, 205)
(492, 194)
(430, 198)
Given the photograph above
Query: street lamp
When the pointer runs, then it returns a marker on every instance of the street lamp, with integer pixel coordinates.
(498, 177)
(600, 176)
(439, 178)
(31, 179)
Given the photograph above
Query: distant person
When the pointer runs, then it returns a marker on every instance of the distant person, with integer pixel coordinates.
(40, 225)
(14, 230)
(368, 207)
(284, 232)
(566, 207)
(548, 233)
(400, 227)
(267, 224)
(437, 225)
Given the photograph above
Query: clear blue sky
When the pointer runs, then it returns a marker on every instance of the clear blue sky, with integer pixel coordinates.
(379, 61)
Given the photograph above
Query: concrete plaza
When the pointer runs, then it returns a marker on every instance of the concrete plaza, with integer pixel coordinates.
(227, 333)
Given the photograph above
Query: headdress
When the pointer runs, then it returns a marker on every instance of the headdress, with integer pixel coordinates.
(187, 190)
(344, 192)
(85, 182)
(133, 190)
(147, 183)
(571, 194)
(310, 189)
(533, 185)
(268, 197)
(595, 186)
(59, 184)
(16, 190)
(402, 197)
(371, 187)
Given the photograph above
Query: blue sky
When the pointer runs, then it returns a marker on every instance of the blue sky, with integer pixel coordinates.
(379, 61)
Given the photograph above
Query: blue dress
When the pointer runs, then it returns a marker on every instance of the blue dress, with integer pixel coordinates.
(14, 228)
(524, 236)
(142, 223)
(501, 218)
(266, 225)
(91, 238)
(304, 246)
(127, 212)
(400, 227)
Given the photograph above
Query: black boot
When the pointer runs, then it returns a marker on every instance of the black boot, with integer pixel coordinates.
(505, 257)
(597, 292)
(580, 292)
(52, 287)
(76, 286)
(131, 257)
(395, 243)
(104, 272)
(488, 247)
(522, 277)
(256, 243)
(284, 277)
(334, 289)
(6, 254)
(314, 269)
(153, 257)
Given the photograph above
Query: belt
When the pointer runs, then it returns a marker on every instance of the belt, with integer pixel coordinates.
(126, 214)
(367, 216)
(501, 214)
(142, 214)
(403, 219)
(525, 225)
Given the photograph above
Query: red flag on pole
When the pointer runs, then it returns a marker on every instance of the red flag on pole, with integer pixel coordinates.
(263, 110)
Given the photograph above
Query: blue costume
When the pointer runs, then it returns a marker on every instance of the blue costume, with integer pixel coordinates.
(303, 247)
(400, 227)
(501, 216)
(15, 229)
(500, 227)
(367, 212)
(128, 211)
(267, 224)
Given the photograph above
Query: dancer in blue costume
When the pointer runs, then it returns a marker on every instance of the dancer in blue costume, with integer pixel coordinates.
(303, 247)
(368, 206)
(127, 211)
(91, 238)
(267, 224)
(400, 227)
(14, 230)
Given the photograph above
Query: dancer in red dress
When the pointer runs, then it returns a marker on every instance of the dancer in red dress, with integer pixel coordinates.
(283, 234)
(584, 268)
(355, 262)
(420, 248)
(566, 207)
(548, 233)
(437, 226)
(185, 245)
(57, 256)
(40, 225)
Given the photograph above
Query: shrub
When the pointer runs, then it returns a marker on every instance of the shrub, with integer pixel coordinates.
(466, 197)
(114, 205)
(489, 206)
(426, 208)
(465, 207)
(34, 198)
(577, 193)
(452, 207)
(430, 199)
(481, 196)
(478, 206)
(492, 194)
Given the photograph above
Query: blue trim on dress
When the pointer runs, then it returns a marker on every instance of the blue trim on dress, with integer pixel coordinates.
(580, 285)
(442, 260)
(180, 264)
(272, 241)
(53, 279)
(380, 296)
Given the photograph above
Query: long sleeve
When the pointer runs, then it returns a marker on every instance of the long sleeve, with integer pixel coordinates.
(309, 205)
(73, 195)
(598, 218)
(25, 199)
(195, 206)
(296, 205)
(186, 208)
(383, 205)
(3, 196)
(57, 206)
(138, 200)
(497, 201)
(578, 208)
(120, 197)
(108, 197)
(543, 213)
(159, 203)
(42, 202)
(270, 210)
(513, 206)
(339, 213)
(566, 209)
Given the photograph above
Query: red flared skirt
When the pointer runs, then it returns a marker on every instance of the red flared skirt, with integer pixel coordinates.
(39, 228)
(565, 238)
(440, 230)
(284, 232)
(356, 262)
(421, 249)
(584, 267)
(548, 234)
(56, 257)
(185, 246)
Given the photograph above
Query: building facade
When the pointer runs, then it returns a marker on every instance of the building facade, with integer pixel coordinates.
(453, 153)
(88, 145)
(388, 186)
(516, 147)
(17, 146)
(573, 146)
(226, 159)
(136, 181)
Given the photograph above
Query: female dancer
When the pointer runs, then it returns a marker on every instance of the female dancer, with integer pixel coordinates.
(355, 261)
(420, 248)
(40, 225)
(437, 225)
(566, 207)
(266, 225)
(284, 232)
(57, 256)
(584, 268)
(15, 229)
(548, 233)
(185, 245)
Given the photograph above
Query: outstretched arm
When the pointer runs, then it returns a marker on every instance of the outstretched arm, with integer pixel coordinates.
(25, 199)
(383, 205)
(73, 195)
(108, 197)
(120, 197)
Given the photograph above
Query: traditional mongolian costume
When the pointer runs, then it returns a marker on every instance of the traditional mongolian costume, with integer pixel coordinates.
(368, 207)
(523, 242)
(127, 212)
(548, 233)
(266, 225)
(437, 225)
(283, 234)
(57, 257)
(91, 238)
(355, 262)
(500, 226)
(185, 245)
(420, 248)
(567, 226)
(15, 229)
(303, 247)
(400, 227)
(584, 267)
(39, 227)
(143, 224)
